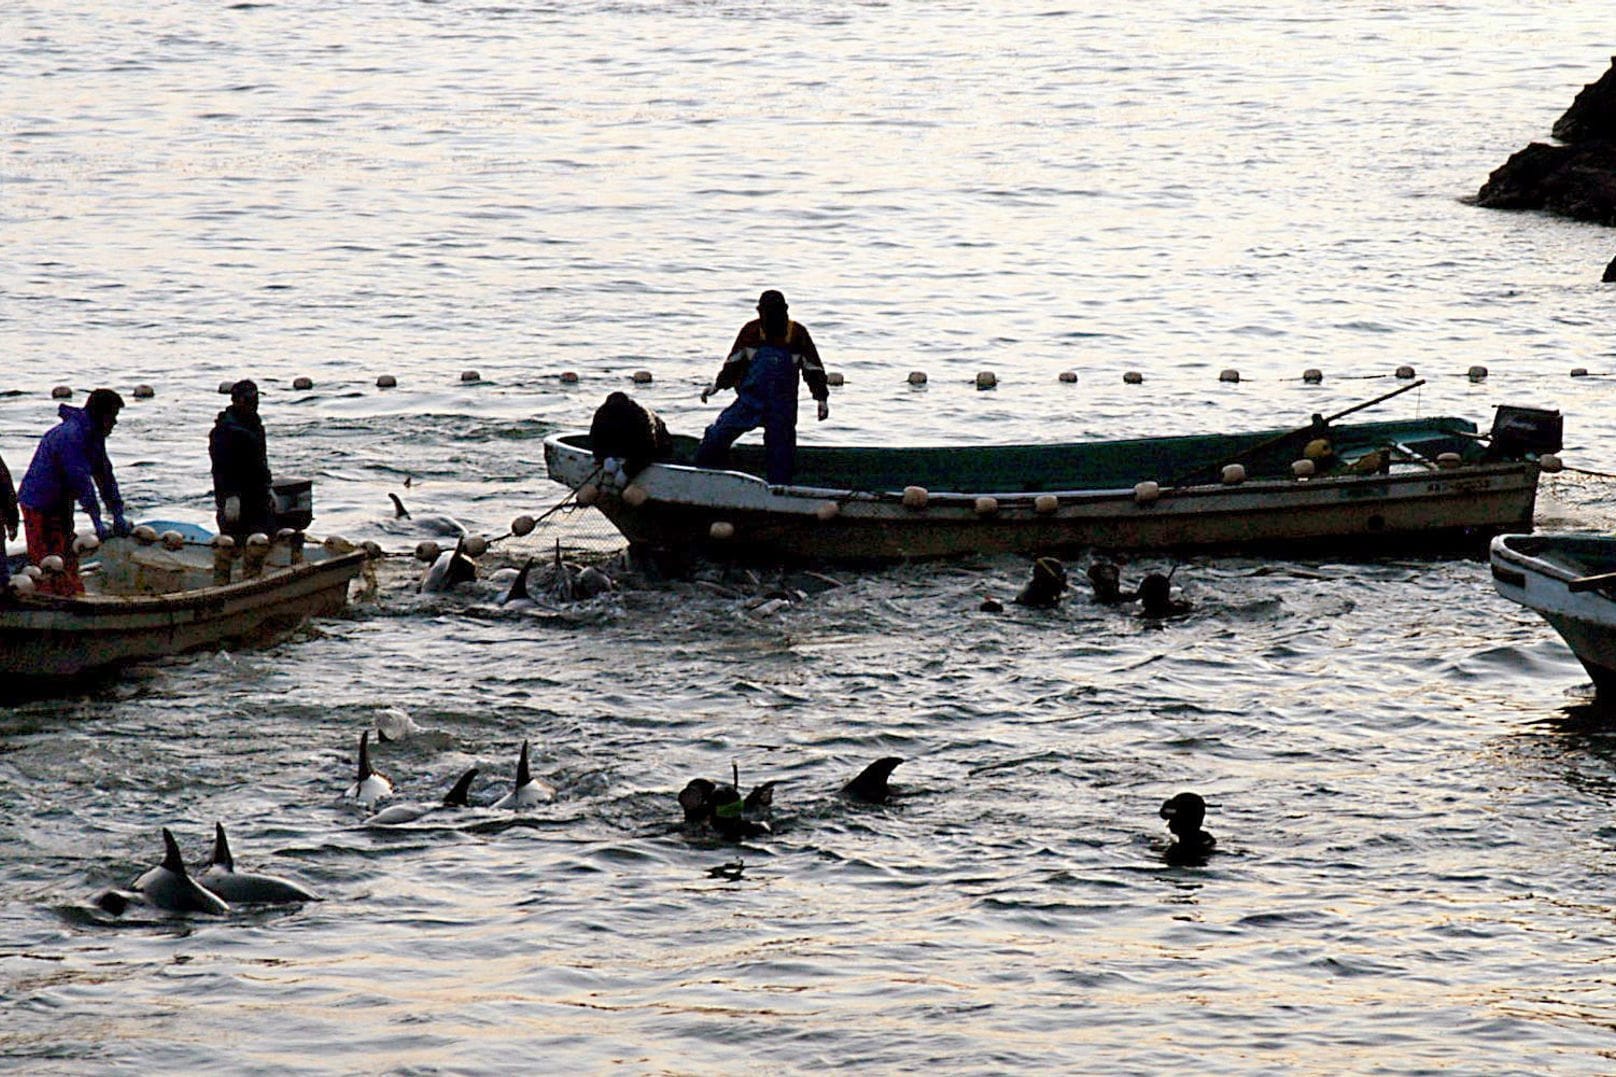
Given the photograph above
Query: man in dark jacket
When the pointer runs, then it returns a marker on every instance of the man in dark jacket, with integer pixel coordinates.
(241, 479)
(69, 465)
(764, 364)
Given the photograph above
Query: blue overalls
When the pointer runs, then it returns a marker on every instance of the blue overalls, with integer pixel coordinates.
(766, 397)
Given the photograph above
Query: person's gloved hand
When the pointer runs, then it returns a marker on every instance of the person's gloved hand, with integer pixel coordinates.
(120, 525)
(824, 410)
(707, 392)
(100, 528)
(232, 509)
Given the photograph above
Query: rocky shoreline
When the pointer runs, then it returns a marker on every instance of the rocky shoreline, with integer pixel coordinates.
(1576, 178)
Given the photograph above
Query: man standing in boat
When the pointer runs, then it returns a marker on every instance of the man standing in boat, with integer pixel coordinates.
(242, 485)
(70, 464)
(768, 356)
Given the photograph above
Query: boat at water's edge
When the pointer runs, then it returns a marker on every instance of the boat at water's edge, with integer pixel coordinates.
(151, 602)
(1439, 485)
(1569, 579)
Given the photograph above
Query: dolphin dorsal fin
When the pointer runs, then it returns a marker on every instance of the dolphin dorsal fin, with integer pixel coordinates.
(519, 585)
(221, 849)
(364, 756)
(172, 860)
(457, 797)
(523, 775)
(399, 511)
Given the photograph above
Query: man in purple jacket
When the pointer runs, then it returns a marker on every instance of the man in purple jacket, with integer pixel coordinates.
(69, 465)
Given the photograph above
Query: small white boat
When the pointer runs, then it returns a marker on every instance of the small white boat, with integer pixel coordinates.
(145, 600)
(1570, 581)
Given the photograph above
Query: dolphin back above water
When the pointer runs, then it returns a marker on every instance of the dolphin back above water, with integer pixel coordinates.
(221, 878)
(170, 887)
(528, 790)
(456, 797)
(450, 568)
(369, 785)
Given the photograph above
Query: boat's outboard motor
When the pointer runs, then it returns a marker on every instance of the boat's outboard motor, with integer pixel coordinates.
(1518, 432)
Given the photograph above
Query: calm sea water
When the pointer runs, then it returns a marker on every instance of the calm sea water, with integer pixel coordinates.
(1412, 791)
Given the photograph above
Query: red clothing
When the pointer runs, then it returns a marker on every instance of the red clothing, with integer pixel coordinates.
(50, 533)
(797, 342)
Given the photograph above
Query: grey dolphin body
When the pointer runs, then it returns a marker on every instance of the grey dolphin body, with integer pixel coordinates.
(221, 878)
(457, 797)
(871, 784)
(518, 596)
(431, 523)
(369, 786)
(451, 567)
(170, 887)
(528, 790)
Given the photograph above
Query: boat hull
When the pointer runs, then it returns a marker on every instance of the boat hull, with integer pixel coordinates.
(1365, 514)
(1541, 572)
(51, 639)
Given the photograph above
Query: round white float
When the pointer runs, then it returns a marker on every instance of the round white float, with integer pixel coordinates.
(987, 506)
(1234, 474)
(1146, 492)
(523, 525)
(915, 497)
(722, 530)
(1303, 468)
(1045, 504)
(1550, 463)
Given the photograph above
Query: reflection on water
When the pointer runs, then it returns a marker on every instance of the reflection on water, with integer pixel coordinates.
(1409, 783)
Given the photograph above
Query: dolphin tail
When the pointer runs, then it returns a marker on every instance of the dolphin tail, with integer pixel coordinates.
(364, 756)
(456, 797)
(221, 849)
(399, 511)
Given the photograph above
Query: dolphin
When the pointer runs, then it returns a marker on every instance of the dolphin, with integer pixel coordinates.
(518, 594)
(431, 523)
(221, 878)
(369, 785)
(457, 797)
(170, 887)
(528, 790)
(394, 723)
(871, 784)
(451, 567)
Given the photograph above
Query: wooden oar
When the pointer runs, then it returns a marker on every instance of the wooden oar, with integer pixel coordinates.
(1316, 422)
(1591, 583)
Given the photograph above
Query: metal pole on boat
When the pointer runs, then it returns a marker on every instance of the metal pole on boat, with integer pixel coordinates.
(1318, 420)
(1372, 403)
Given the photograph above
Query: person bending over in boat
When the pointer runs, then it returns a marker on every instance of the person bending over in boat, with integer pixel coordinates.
(241, 480)
(71, 463)
(763, 366)
(9, 521)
